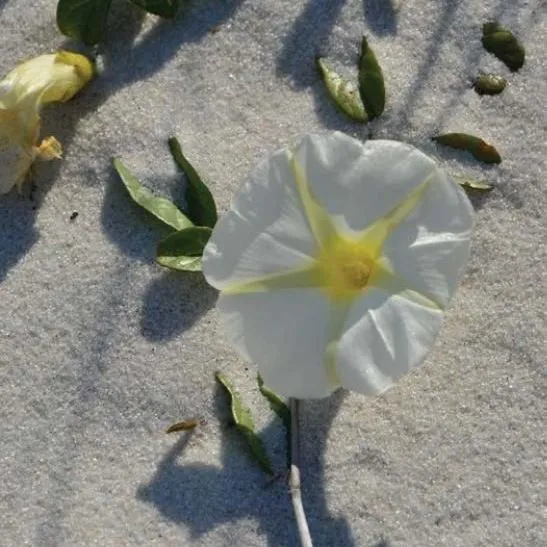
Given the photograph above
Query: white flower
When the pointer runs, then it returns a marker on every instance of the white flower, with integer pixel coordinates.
(336, 263)
(44, 79)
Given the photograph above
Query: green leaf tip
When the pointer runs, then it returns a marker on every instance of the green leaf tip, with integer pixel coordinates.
(276, 403)
(201, 206)
(371, 81)
(183, 250)
(343, 92)
(245, 424)
(480, 149)
(161, 208)
(503, 44)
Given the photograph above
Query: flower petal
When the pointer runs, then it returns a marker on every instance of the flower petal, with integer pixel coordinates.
(384, 337)
(430, 247)
(286, 333)
(14, 164)
(44, 79)
(359, 183)
(265, 232)
(394, 208)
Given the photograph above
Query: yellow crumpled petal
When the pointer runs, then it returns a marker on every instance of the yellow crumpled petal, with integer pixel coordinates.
(48, 78)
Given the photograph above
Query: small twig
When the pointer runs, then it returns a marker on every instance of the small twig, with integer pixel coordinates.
(296, 492)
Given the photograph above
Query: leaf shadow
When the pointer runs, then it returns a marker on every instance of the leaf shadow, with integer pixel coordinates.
(173, 302)
(202, 497)
(380, 16)
(307, 37)
(126, 61)
(429, 64)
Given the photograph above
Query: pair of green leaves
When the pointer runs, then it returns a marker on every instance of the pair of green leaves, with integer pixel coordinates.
(369, 102)
(85, 20)
(183, 249)
(244, 422)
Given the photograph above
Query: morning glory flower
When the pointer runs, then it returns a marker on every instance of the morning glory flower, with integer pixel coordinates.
(44, 79)
(336, 262)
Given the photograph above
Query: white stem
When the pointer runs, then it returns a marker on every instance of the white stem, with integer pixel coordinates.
(296, 492)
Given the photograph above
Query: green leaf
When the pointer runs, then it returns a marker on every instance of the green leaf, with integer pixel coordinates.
(183, 249)
(489, 84)
(343, 92)
(201, 204)
(473, 184)
(371, 82)
(161, 208)
(276, 403)
(480, 149)
(163, 8)
(502, 43)
(83, 20)
(245, 424)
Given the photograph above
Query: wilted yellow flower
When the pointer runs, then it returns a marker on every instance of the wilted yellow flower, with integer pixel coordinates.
(44, 79)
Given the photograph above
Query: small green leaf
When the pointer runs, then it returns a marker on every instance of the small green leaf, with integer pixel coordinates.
(502, 43)
(480, 149)
(245, 424)
(83, 20)
(183, 249)
(473, 184)
(343, 92)
(163, 8)
(489, 84)
(161, 208)
(276, 403)
(201, 204)
(371, 82)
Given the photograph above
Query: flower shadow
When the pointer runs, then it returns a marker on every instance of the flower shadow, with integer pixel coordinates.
(173, 303)
(202, 497)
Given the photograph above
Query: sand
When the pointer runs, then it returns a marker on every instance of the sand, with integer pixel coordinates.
(102, 349)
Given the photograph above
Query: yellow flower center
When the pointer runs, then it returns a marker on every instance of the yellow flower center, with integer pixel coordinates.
(344, 267)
